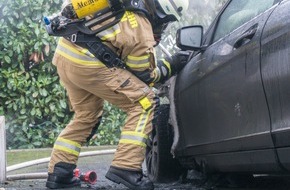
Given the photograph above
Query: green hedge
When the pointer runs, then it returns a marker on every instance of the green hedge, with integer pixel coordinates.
(31, 97)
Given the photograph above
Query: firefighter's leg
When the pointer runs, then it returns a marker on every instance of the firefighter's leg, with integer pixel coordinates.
(126, 166)
(139, 102)
(126, 91)
(88, 111)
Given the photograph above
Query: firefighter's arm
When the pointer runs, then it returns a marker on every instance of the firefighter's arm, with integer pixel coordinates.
(170, 66)
(136, 45)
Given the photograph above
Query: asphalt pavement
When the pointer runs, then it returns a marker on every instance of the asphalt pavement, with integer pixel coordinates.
(101, 164)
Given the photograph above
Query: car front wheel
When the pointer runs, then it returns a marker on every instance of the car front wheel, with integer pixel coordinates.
(161, 166)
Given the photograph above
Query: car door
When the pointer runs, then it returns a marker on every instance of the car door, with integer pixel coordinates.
(220, 100)
(276, 76)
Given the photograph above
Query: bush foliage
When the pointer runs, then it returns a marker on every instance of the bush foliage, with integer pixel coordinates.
(31, 97)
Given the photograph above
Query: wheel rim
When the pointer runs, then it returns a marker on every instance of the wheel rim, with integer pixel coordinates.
(152, 157)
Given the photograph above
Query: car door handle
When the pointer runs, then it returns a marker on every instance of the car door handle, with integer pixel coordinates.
(246, 36)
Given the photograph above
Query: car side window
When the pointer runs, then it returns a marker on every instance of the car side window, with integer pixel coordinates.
(239, 12)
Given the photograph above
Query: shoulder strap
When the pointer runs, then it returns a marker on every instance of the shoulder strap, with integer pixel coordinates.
(102, 52)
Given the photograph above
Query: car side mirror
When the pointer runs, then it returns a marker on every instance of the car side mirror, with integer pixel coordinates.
(189, 37)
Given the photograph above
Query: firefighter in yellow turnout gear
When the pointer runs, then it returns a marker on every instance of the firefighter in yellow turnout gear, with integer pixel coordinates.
(89, 82)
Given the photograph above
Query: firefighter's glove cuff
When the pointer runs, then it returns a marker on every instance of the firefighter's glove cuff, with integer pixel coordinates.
(144, 76)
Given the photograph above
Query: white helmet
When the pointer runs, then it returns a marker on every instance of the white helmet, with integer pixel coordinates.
(172, 7)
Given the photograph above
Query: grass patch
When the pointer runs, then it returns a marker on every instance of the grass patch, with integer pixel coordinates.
(19, 156)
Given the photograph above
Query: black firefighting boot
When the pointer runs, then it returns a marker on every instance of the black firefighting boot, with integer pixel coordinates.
(62, 177)
(132, 179)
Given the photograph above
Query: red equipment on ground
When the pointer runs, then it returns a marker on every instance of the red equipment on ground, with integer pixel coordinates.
(88, 177)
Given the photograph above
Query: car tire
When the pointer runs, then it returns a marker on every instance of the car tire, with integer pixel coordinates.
(161, 166)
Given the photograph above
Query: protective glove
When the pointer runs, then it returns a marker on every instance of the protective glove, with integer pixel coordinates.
(177, 61)
(144, 76)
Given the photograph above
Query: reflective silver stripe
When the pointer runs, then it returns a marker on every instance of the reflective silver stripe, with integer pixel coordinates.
(111, 32)
(143, 121)
(134, 138)
(175, 7)
(88, 53)
(69, 146)
(76, 56)
(137, 62)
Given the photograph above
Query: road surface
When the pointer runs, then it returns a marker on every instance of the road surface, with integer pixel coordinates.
(100, 164)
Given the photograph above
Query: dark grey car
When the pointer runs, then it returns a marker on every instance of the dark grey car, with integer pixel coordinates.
(230, 105)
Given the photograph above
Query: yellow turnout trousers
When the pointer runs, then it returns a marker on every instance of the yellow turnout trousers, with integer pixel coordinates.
(87, 87)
